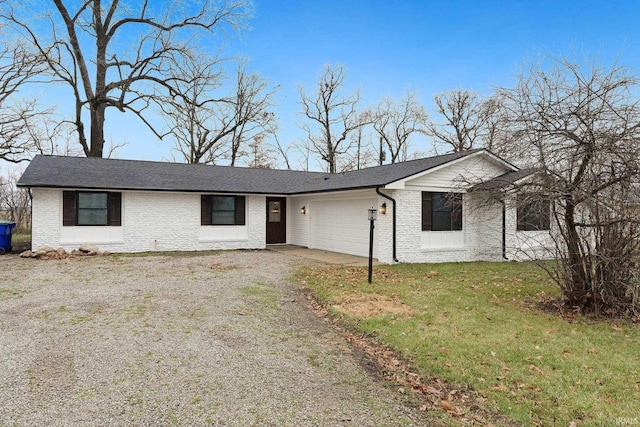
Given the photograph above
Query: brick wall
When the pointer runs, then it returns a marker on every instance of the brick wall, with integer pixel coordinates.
(481, 238)
(46, 218)
(151, 221)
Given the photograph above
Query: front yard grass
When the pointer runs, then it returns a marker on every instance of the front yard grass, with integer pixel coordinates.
(478, 325)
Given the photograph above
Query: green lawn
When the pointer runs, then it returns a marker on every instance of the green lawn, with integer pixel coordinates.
(477, 324)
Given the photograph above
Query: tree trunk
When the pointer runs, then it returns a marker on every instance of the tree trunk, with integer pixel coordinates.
(98, 103)
(97, 130)
(580, 285)
(332, 163)
(331, 157)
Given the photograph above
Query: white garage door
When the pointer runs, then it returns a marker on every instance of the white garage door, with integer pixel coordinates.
(341, 226)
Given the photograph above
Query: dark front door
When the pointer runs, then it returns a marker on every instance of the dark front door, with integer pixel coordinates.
(276, 220)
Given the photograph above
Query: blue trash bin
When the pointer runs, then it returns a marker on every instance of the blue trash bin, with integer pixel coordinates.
(6, 230)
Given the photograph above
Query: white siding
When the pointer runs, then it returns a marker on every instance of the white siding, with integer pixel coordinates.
(151, 221)
(457, 175)
(297, 223)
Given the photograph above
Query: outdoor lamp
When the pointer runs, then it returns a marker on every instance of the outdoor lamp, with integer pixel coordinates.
(372, 214)
(383, 209)
(303, 210)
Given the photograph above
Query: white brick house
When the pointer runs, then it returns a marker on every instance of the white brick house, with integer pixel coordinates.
(427, 211)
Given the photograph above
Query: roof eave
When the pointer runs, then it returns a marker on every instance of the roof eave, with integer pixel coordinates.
(164, 190)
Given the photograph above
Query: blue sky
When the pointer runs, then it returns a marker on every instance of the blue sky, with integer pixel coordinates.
(390, 46)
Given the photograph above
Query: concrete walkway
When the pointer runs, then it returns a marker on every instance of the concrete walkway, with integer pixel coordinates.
(322, 256)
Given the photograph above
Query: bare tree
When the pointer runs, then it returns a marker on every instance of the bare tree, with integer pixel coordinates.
(395, 121)
(260, 155)
(113, 54)
(467, 121)
(282, 151)
(15, 201)
(251, 115)
(192, 122)
(581, 128)
(208, 125)
(331, 117)
(364, 154)
(18, 67)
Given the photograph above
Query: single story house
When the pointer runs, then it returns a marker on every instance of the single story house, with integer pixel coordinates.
(427, 211)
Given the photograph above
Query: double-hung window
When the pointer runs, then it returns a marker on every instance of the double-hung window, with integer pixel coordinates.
(441, 211)
(91, 208)
(222, 210)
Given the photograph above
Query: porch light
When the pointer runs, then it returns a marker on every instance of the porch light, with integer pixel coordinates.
(303, 210)
(373, 213)
(383, 209)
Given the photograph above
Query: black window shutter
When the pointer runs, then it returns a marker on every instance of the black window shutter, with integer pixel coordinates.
(426, 211)
(206, 206)
(456, 214)
(114, 205)
(68, 208)
(240, 210)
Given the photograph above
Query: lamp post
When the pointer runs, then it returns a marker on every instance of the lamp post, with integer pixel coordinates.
(372, 217)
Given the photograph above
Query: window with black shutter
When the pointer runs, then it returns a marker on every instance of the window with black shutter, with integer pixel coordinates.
(222, 210)
(91, 208)
(441, 211)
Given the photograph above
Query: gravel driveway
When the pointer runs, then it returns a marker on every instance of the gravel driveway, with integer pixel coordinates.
(216, 339)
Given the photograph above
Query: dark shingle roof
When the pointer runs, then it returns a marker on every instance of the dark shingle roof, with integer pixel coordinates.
(504, 180)
(83, 172)
(94, 173)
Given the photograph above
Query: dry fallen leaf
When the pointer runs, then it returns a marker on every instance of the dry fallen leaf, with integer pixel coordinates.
(534, 368)
(499, 387)
(447, 406)
(444, 404)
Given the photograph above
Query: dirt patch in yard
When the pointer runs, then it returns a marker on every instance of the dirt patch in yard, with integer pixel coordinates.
(52, 373)
(372, 305)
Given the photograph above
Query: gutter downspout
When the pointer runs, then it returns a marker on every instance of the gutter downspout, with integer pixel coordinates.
(504, 230)
(30, 214)
(392, 200)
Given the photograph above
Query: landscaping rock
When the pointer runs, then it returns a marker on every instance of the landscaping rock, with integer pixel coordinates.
(47, 253)
(88, 248)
